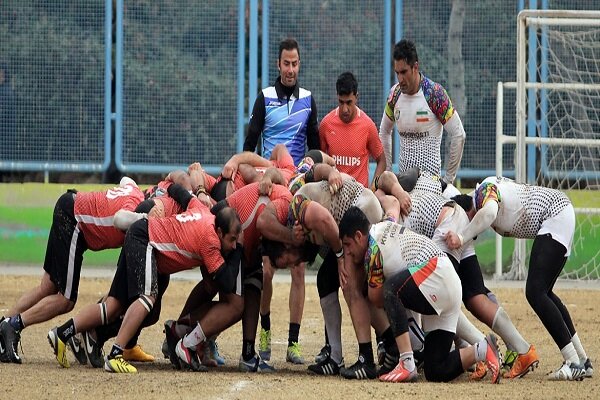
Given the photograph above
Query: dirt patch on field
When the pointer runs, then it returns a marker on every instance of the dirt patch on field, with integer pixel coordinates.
(40, 376)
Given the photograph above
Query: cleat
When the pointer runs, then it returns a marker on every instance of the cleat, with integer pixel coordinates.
(567, 372)
(264, 345)
(118, 365)
(381, 353)
(294, 354)
(137, 354)
(172, 339)
(78, 350)
(255, 364)
(492, 358)
(479, 372)
(359, 370)
(390, 362)
(188, 358)
(10, 338)
(399, 374)
(523, 364)
(59, 347)
(326, 367)
(93, 350)
(165, 349)
(323, 354)
(213, 349)
(509, 359)
(587, 366)
(204, 355)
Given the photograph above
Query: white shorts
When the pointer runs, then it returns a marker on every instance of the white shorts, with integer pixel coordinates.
(454, 221)
(443, 291)
(370, 205)
(561, 227)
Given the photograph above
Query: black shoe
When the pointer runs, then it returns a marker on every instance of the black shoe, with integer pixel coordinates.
(390, 362)
(172, 340)
(75, 345)
(359, 370)
(10, 339)
(326, 367)
(323, 354)
(93, 350)
(589, 368)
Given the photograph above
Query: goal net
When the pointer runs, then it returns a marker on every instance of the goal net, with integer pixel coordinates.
(558, 124)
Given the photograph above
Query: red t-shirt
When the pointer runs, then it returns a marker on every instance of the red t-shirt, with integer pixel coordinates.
(351, 144)
(94, 211)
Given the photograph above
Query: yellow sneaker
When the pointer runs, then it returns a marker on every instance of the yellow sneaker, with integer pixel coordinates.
(59, 347)
(523, 364)
(118, 365)
(137, 354)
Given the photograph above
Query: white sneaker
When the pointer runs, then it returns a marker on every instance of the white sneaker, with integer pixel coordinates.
(567, 372)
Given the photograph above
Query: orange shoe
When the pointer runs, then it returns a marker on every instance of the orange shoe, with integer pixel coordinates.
(480, 371)
(137, 354)
(492, 358)
(523, 364)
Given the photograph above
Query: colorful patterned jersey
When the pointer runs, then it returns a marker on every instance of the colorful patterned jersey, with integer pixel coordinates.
(94, 211)
(522, 208)
(393, 248)
(419, 119)
(186, 240)
(350, 144)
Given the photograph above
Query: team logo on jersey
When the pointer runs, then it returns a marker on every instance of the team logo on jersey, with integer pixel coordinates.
(422, 116)
(396, 115)
(433, 297)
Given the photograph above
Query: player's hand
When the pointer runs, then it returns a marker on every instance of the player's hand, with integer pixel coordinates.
(205, 199)
(297, 234)
(342, 273)
(453, 240)
(335, 181)
(405, 204)
(158, 210)
(194, 167)
(229, 169)
(265, 186)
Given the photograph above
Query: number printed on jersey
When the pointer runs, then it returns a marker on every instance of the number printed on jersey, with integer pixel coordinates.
(119, 192)
(187, 217)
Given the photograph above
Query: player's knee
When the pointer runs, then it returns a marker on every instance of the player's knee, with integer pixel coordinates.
(64, 305)
(434, 372)
(147, 302)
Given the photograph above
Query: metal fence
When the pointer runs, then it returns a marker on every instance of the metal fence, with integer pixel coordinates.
(170, 82)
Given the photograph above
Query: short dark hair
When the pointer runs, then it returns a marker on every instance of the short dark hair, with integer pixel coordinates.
(219, 190)
(406, 50)
(228, 220)
(274, 249)
(346, 84)
(354, 220)
(465, 201)
(288, 44)
(316, 155)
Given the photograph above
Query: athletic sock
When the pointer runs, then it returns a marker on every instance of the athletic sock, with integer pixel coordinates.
(332, 314)
(570, 354)
(115, 350)
(265, 321)
(408, 360)
(579, 347)
(504, 327)
(248, 350)
(16, 322)
(195, 337)
(66, 331)
(466, 330)
(293, 334)
(481, 350)
(366, 351)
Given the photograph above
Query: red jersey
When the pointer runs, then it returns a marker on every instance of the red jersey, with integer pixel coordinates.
(249, 205)
(170, 206)
(186, 240)
(351, 144)
(285, 166)
(94, 212)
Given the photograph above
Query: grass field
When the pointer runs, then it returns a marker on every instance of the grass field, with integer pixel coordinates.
(26, 216)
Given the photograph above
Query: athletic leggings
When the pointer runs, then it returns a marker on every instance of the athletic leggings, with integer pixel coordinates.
(546, 262)
(328, 279)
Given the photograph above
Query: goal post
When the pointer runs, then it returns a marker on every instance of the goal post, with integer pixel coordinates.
(557, 124)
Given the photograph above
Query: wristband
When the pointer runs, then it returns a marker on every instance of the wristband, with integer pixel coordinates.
(201, 189)
(339, 254)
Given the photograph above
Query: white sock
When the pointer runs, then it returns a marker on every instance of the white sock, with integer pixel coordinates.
(579, 347)
(466, 330)
(332, 314)
(408, 360)
(504, 327)
(481, 350)
(570, 354)
(195, 337)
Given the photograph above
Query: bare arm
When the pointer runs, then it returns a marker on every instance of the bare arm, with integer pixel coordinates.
(380, 168)
(269, 227)
(388, 183)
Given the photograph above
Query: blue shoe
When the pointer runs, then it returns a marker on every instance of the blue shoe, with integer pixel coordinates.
(255, 364)
(213, 349)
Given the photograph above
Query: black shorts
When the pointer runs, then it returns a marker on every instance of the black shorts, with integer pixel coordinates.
(471, 279)
(136, 273)
(66, 244)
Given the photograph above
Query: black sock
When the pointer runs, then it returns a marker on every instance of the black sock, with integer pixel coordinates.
(293, 334)
(116, 350)
(248, 350)
(366, 351)
(265, 321)
(66, 331)
(326, 337)
(16, 322)
(389, 342)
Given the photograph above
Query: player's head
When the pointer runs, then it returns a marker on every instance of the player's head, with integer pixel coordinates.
(406, 66)
(228, 227)
(354, 233)
(284, 255)
(347, 92)
(466, 202)
(288, 62)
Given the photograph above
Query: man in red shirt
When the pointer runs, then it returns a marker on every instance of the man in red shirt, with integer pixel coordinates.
(349, 136)
(162, 246)
(81, 221)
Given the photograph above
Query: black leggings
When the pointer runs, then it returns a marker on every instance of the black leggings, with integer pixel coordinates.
(546, 262)
(328, 279)
(441, 364)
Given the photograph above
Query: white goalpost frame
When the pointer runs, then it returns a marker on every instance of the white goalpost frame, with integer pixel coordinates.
(524, 19)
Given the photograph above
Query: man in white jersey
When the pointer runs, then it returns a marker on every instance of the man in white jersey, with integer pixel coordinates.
(547, 216)
(421, 110)
(407, 270)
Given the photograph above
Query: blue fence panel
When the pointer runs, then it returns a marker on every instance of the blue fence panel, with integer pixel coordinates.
(179, 66)
(52, 68)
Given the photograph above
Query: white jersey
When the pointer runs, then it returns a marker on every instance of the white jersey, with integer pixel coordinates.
(522, 208)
